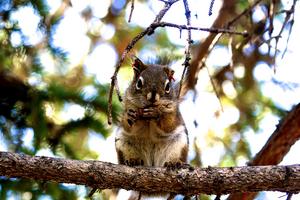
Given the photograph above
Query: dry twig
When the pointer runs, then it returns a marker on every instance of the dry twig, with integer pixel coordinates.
(288, 15)
(211, 30)
(131, 11)
(245, 12)
(211, 7)
(186, 62)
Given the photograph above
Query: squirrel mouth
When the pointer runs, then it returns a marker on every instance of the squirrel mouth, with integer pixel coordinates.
(151, 105)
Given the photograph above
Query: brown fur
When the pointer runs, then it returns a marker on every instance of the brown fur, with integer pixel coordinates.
(152, 131)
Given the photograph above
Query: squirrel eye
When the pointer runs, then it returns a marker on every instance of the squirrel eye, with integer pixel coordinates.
(139, 84)
(167, 86)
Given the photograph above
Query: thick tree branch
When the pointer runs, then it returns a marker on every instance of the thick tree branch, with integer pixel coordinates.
(277, 146)
(280, 142)
(186, 181)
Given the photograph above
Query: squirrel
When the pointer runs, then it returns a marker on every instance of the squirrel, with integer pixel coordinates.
(151, 131)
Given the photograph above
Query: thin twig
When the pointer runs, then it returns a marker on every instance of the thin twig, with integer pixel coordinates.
(188, 46)
(211, 7)
(292, 10)
(245, 12)
(211, 30)
(163, 11)
(286, 20)
(131, 11)
(211, 47)
(214, 87)
(148, 31)
(289, 196)
(118, 90)
(114, 77)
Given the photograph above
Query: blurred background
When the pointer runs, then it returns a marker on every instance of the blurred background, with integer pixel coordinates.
(57, 58)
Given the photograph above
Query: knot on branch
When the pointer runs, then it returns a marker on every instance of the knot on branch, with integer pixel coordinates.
(151, 28)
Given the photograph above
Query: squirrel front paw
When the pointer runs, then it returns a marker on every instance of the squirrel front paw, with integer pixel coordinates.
(131, 117)
(167, 107)
(150, 112)
(172, 165)
(134, 162)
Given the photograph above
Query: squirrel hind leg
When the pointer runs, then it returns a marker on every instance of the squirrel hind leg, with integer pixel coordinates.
(120, 156)
(129, 162)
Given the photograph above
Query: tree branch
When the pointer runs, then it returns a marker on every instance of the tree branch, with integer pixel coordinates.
(187, 52)
(280, 142)
(277, 146)
(188, 27)
(186, 181)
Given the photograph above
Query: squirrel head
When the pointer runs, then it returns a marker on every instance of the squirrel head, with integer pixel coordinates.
(151, 84)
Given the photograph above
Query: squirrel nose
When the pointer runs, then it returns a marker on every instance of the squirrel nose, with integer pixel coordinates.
(153, 96)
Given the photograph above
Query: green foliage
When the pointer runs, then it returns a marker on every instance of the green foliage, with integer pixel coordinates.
(27, 107)
(28, 189)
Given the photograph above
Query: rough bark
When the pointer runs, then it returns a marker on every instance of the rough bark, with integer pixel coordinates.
(186, 181)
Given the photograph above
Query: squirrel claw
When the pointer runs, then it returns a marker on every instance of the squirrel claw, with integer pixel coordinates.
(134, 162)
(132, 117)
(171, 165)
(130, 122)
(132, 113)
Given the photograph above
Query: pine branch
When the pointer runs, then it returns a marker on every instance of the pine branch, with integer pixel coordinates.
(188, 181)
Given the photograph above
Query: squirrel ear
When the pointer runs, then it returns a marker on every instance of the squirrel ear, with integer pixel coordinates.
(169, 73)
(138, 66)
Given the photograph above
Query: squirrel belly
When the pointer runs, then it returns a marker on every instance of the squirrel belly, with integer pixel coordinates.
(148, 147)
